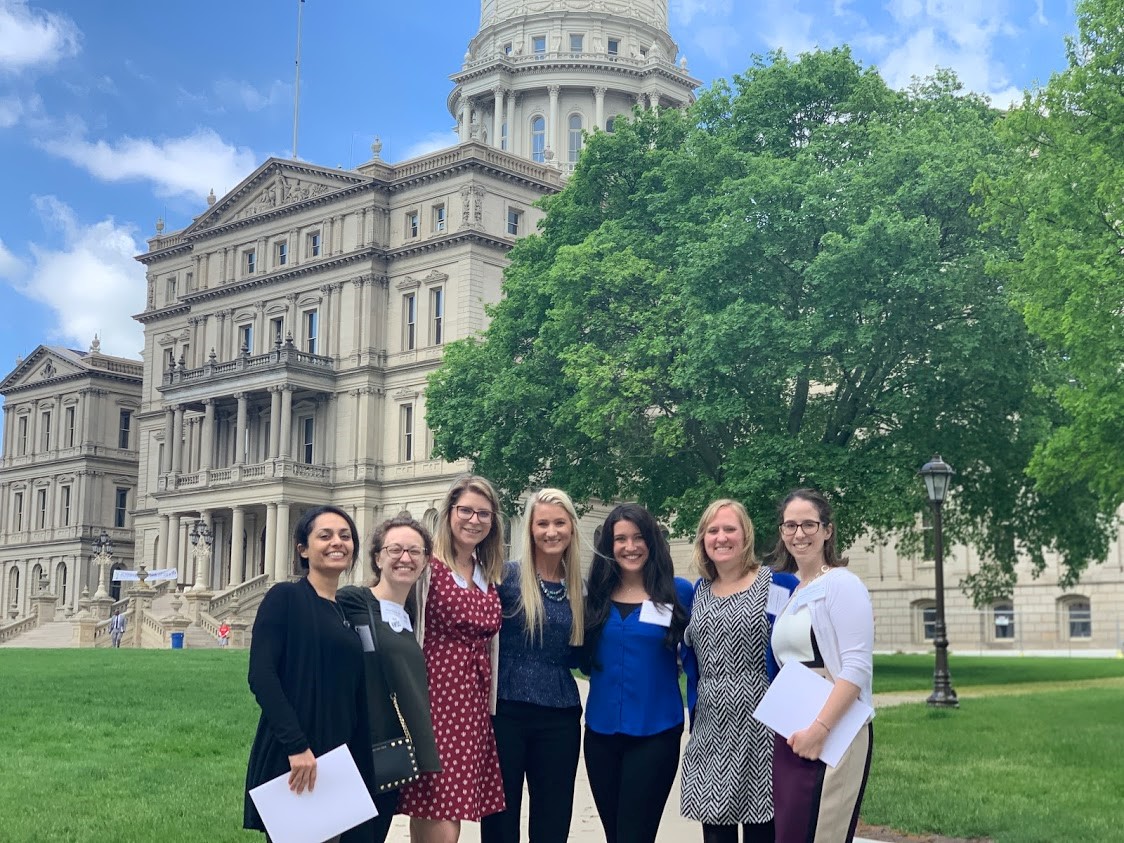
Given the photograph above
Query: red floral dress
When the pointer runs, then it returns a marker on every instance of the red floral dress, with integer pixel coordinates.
(459, 622)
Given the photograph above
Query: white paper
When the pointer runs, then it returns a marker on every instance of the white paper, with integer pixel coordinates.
(778, 598)
(795, 699)
(340, 801)
(657, 613)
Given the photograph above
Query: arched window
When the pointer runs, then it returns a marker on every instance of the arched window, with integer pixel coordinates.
(924, 621)
(61, 583)
(1003, 620)
(1075, 619)
(538, 138)
(610, 124)
(575, 137)
(13, 591)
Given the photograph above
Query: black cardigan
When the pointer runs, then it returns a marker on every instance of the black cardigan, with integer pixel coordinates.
(306, 671)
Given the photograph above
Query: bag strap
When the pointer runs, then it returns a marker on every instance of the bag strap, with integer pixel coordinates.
(386, 679)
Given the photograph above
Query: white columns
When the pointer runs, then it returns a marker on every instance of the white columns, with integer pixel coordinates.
(177, 441)
(240, 429)
(497, 116)
(599, 107)
(208, 446)
(269, 564)
(552, 120)
(284, 544)
(237, 560)
(274, 422)
(286, 421)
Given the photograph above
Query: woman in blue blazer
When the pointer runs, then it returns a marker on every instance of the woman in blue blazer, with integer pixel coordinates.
(636, 611)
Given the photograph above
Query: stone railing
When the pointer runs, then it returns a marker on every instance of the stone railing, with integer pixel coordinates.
(220, 603)
(73, 452)
(11, 630)
(285, 353)
(209, 624)
(153, 634)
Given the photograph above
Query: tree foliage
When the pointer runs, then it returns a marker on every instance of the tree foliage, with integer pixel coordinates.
(781, 286)
(1062, 198)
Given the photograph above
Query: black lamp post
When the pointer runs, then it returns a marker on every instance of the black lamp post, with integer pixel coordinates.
(937, 474)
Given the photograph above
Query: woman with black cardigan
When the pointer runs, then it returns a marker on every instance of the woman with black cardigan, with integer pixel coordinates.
(306, 668)
(394, 661)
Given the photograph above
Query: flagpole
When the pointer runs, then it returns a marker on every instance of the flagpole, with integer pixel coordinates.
(297, 83)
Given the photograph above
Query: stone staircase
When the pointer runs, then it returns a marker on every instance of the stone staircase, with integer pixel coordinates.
(53, 635)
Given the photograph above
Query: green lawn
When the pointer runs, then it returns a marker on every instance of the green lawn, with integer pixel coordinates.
(126, 745)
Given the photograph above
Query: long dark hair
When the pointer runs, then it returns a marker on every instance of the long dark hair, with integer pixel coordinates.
(304, 528)
(780, 559)
(605, 576)
(402, 519)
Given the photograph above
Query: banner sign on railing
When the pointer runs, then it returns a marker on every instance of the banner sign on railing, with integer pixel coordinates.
(159, 574)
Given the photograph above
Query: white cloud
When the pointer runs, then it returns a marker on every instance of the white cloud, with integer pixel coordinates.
(91, 285)
(10, 110)
(721, 45)
(785, 27)
(33, 37)
(685, 11)
(11, 267)
(431, 143)
(240, 94)
(187, 166)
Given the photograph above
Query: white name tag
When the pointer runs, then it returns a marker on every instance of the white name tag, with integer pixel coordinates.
(814, 591)
(777, 600)
(656, 613)
(394, 616)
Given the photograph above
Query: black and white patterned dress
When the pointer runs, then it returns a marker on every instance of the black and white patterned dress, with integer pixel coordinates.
(727, 766)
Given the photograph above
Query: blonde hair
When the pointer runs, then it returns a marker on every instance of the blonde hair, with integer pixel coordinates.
(530, 596)
(489, 553)
(703, 563)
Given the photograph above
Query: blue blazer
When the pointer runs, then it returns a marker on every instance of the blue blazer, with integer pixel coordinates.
(691, 662)
(634, 680)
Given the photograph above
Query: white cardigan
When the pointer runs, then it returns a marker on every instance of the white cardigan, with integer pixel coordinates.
(843, 622)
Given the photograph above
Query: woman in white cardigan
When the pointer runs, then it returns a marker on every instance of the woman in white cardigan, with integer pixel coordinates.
(828, 625)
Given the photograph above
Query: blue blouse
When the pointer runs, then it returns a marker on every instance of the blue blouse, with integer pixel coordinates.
(538, 671)
(634, 686)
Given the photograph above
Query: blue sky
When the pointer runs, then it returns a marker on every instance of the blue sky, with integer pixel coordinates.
(116, 112)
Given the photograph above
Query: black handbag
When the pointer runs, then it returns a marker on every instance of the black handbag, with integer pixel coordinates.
(396, 763)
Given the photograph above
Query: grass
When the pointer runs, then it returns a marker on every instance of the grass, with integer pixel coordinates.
(127, 745)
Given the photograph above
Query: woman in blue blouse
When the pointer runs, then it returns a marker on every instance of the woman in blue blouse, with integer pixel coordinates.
(635, 617)
(538, 710)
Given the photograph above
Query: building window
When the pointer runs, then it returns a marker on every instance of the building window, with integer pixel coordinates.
(170, 290)
(610, 124)
(189, 282)
(68, 427)
(576, 42)
(508, 49)
(17, 506)
(503, 136)
(643, 52)
(21, 434)
(538, 138)
(575, 137)
(281, 253)
(311, 326)
(169, 359)
(308, 431)
(413, 224)
(277, 330)
(538, 45)
(314, 244)
(614, 46)
(407, 443)
(1077, 621)
(64, 505)
(1003, 616)
(46, 431)
(514, 221)
(246, 339)
(40, 509)
(120, 507)
(438, 218)
(409, 321)
(437, 315)
(123, 430)
(924, 621)
(250, 261)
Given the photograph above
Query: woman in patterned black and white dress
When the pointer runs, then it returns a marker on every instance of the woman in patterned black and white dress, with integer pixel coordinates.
(727, 766)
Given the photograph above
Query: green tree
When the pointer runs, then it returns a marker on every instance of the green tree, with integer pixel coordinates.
(782, 286)
(1062, 198)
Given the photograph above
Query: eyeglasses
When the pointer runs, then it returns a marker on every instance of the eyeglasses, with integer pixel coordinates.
(810, 528)
(395, 551)
(466, 512)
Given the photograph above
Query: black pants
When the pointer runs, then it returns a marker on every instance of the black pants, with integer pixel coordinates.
(385, 804)
(631, 778)
(751, 833)
(540, 744)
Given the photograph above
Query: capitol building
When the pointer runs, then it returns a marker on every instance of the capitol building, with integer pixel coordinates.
(288, 334)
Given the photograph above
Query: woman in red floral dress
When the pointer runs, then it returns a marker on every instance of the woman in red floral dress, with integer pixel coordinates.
(459, 614)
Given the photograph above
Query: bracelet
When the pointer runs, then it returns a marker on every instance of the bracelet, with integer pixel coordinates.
(825, 726)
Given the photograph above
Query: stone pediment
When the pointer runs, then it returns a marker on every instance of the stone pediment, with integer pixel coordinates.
(275, 186)
(42, 366)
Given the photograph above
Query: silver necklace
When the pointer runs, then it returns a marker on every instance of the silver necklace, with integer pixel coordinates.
(558, 595)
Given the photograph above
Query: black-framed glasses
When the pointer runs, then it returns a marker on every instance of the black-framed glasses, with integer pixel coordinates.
(466, 512)
(395, 551)
(810, 528)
